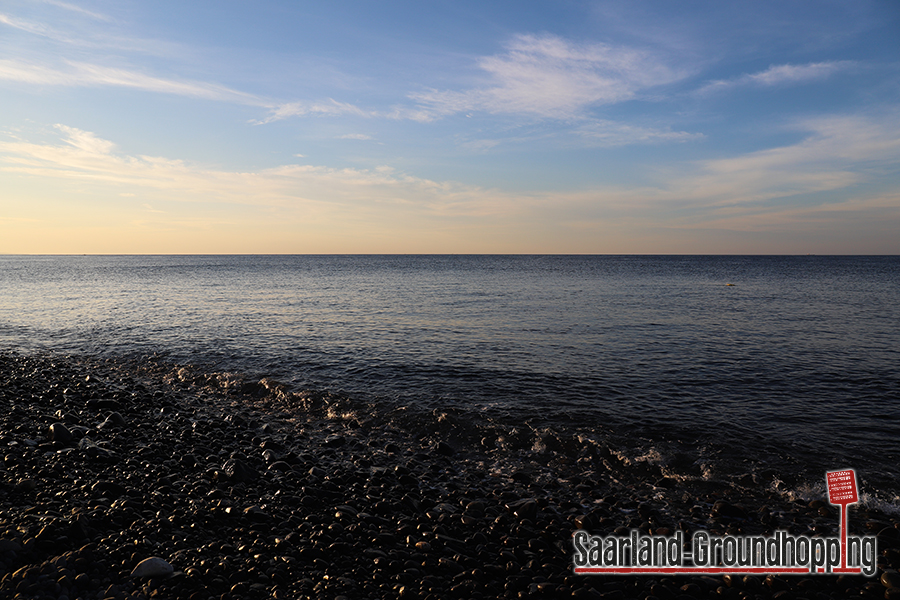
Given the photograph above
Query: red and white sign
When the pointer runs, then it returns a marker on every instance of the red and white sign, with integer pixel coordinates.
(842, 487)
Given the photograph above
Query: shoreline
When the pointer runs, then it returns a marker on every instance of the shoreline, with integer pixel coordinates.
(249, 490)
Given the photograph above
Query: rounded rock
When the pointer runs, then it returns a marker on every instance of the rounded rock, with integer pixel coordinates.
(25, 485)
(238, 471)
(890, 579)
(114, 419)
(725, 509)
(60, 433)
(152, 567)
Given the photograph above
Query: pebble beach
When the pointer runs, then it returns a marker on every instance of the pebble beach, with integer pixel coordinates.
(140, 479)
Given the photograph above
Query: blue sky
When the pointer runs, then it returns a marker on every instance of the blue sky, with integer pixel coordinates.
(582, 127)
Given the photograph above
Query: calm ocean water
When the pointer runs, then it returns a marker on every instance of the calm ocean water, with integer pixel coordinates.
(792, 370)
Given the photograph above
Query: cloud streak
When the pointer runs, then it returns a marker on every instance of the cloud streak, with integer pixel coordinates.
(328, 108)
(77, 9)
(609, 134)
(86, 74)
(778, 75)
(103, 40)
(31, 28)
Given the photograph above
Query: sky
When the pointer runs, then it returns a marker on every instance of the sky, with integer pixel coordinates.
(598, 127)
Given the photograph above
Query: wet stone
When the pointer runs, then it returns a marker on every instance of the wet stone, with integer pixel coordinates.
(888, 537)
(152, 567)
(237, 470)
(444, 449)
(526, 508)
(890, 579)
(114, 419)
(24, 486)
(521, 477)
(590, 521)
(257, 514)
(102, 404)
(280, 466)
(334, 441)
(726, 509)
(108, 489)
(60, 433)
(776, 584)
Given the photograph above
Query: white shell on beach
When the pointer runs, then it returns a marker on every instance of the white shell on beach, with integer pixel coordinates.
(152, 567)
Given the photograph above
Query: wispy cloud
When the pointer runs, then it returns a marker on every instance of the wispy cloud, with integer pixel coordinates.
(329, 107)
(780, 75)
(83, 74)
(86, 74)
(86, 141)
(33, 28)
(837, 152)
(880, 211)
(355, 136)
(582, 133)
(92, 37)
(78, 9)
(609, 133)
(550, 77)
(19, 24)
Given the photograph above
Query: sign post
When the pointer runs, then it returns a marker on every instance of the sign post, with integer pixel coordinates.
(841, 492)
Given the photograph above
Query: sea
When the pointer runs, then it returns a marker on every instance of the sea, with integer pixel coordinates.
(748, 371)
